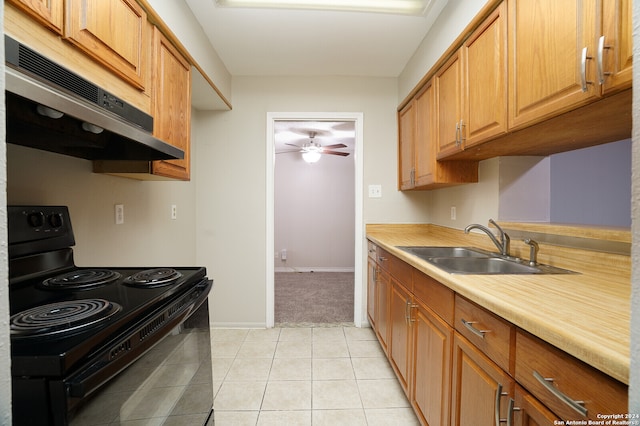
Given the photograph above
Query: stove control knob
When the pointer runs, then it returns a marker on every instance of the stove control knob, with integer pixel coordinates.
(35, 219)
(55, 220)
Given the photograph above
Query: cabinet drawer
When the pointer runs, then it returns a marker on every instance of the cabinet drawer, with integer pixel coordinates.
(399, 269)
(434, 295)
(489, 333)
(372, 251)
(576, 391)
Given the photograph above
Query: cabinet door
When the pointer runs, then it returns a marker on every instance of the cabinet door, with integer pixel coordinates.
(480, 389)
(382, 312)
(448, 85)
(111, 32)
(485, 97)
(400, 318)
(171, 105)
(425, 161)
(406, 137)
(617, 45)
(529, 411)
(371, 292)
(430, 394)
(546, 42)
(48, 12)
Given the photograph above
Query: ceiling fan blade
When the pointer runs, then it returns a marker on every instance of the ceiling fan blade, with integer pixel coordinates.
(292, 144)
(344, 154)
(338, 145)
(288, 152)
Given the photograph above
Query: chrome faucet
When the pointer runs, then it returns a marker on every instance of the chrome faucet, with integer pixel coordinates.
(533, 251)
(504, 243)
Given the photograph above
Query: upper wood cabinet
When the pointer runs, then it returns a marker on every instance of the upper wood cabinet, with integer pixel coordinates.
(49, 13)
(171, 105)
(418, 167)
(485, 80)
(448, 83)
(615, 46)
(113, 33)
(406, 142)
(565, 54)
(471, 80)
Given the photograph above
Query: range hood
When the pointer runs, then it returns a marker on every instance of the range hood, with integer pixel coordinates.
(53, 109)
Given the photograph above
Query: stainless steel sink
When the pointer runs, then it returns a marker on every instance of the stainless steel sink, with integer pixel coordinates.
(427, 253)
(468, 260)
(482, 265)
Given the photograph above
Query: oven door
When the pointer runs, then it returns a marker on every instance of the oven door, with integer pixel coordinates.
(171, 382)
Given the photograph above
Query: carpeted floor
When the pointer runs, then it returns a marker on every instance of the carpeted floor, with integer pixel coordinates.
(313, 297)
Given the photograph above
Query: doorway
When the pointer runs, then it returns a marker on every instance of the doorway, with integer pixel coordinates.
(348, 120)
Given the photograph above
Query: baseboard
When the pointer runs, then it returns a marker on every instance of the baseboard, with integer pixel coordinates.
(313, 269)
(250, 325)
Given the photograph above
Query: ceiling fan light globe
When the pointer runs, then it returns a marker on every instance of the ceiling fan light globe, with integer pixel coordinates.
(311, 156)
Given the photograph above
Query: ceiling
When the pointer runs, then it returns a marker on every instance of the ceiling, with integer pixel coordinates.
(286, 42)
(324, 132)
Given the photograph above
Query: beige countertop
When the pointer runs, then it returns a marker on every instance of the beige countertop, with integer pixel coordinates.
(585, 314)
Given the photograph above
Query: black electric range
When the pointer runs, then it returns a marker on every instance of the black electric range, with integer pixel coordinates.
(74, 328)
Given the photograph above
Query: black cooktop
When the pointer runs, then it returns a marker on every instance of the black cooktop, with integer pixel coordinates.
(56, 350)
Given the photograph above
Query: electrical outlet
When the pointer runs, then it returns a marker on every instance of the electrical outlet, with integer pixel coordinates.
(283, 254)
(375, 191)
(174, 212)
(119, 214)
(453, 213)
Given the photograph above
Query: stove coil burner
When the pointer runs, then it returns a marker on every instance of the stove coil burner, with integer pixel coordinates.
(81, 279)
(157, 277)
(62, 318)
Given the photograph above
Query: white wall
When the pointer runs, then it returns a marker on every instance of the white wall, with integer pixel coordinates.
(314, 213)
(455, 16)
(148, 236)
(178, 16)
(232, 160)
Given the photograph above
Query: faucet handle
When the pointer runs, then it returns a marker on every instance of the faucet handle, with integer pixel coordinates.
(505, 240)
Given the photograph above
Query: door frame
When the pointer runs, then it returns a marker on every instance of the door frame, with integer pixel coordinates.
(357, 119)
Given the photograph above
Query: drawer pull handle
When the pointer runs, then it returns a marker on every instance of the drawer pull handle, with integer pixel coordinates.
(546, 382)
(471, 328)
(382, 259)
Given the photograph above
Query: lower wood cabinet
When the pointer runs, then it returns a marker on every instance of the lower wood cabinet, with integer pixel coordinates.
(567, 386)
(431, 366)
(400, 317)
(461, 365)
(528, 411)
(383, 288)
(481, 390)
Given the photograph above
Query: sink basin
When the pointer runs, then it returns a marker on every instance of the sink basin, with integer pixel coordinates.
(470, 260)
(427, 253)
(482, 265)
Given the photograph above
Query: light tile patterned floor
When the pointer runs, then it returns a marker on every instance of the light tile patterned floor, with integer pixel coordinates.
(305, 376)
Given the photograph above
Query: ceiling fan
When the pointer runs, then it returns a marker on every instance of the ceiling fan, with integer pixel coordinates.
(312, 151)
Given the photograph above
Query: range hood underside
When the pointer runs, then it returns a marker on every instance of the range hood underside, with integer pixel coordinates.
(66, 136)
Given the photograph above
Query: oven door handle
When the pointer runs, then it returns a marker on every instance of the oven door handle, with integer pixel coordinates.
(136, 342)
